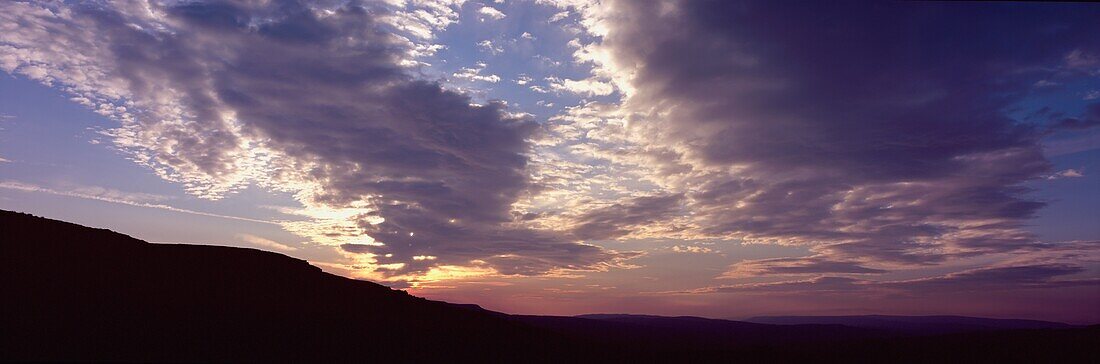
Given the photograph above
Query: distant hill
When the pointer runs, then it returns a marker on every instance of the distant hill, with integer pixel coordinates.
(73, 293)
(913, 324)
(77, 293)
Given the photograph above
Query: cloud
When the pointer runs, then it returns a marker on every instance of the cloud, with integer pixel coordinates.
(817, 284)
(1067, 173)
(1046, 83)
(1090, 118)
(796, 266)
(585, 87)
(1083, 60)
(558, 16)
(1033, 276)
(999, 278)
(875, 141)
(265, 243)
(488, 46)
(313, 99)
(474, 74)
(488, 12)
(116, 197)
(620, 219)
(692, 249)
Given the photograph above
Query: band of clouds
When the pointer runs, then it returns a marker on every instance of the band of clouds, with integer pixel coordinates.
(311, 98)
(743, 122)
(875, 135)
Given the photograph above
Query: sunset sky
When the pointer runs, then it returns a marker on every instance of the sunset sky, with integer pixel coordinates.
(710, 158)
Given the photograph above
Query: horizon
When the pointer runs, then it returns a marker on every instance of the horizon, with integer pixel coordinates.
(751, 319)
(718, 159)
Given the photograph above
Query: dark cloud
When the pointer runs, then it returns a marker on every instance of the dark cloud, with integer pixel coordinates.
(617, 220)
(995, 278)
(879, 130)
(1015, 277)
(1089, 119)
(321, 87)
(815, 285)
(791, 266)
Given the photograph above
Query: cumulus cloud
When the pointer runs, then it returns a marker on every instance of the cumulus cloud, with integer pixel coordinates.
(474, 74)
(585, 87)
(876, 136)
(692, 249)
(488, 46)
(488, 12)
(879, 140)
(558, 16)
(312, 99)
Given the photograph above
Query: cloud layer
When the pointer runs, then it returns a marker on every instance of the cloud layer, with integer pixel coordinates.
(883, 138)
(312, 98)
(877, 135)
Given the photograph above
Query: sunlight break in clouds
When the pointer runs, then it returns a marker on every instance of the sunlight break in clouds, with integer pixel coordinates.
(311, 99)
(786, 135)
(757, 146)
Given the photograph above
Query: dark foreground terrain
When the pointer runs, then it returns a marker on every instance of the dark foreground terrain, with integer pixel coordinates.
(73, 293)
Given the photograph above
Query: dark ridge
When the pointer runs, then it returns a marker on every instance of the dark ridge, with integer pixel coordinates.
(73, 293)
(914, 324)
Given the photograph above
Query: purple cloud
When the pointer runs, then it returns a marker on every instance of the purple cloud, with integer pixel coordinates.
(793, 266)
(617, 220)
(873, 133)
(1015, 277)
(310, 98)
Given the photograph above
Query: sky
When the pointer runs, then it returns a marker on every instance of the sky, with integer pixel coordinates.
(709, 158)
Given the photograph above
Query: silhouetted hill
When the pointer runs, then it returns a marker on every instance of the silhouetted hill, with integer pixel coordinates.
(77, 293)
(914, 324)
(72, 293)
(698, 338)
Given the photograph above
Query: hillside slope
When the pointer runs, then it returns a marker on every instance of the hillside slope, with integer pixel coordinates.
(925, 325)
(77, 293)
(73, 293)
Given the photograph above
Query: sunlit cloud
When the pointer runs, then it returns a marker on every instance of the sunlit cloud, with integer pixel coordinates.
(378, 159)
(872, 157)
(265, 243)
(488, 12)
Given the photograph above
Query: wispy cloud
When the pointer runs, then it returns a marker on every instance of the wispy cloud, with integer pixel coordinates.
(117, 197)
(321, 101)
